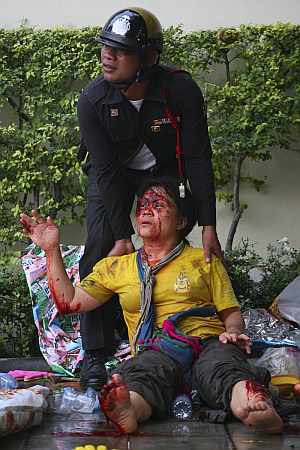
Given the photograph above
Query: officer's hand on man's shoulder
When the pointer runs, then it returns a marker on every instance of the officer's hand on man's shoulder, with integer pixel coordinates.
(211, 244)
(122, 247)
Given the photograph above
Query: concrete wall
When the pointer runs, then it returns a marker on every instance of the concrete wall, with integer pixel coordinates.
(193, 14)
(274, 212)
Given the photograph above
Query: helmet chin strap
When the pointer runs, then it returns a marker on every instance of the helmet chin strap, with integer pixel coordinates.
(123, 85)
(144, 73)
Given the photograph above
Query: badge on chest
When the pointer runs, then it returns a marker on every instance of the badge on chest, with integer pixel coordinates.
(182, 283)
(157, 124)
(114, 112)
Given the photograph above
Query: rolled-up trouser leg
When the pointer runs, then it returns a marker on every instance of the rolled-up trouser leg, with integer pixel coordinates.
(156, 377)
(218, 368)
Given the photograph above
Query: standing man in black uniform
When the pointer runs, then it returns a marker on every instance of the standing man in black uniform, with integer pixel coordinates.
(137, 120)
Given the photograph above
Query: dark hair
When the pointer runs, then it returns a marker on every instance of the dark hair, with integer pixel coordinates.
(185, 206)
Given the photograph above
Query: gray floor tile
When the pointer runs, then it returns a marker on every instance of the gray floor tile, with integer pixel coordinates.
(174, 435)
(176, 428)
(244, 438)
(66, 432)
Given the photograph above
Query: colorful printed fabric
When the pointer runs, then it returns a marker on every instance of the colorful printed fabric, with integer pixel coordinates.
(27, 375)
(59, 336)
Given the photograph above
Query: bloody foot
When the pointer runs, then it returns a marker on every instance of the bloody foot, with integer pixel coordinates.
(251, 404)
(116, 405)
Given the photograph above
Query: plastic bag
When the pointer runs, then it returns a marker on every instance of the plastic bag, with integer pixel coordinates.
(263, 328)
(71, 400)
(282, 362)
(288, 301)
(22, 408)
(59, 336)
(7, 382)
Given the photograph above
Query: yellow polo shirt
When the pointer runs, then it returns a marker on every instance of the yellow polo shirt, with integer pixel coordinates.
(184, 283)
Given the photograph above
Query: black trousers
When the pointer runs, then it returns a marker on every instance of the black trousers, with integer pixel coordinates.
(158, 378)
(98, 326)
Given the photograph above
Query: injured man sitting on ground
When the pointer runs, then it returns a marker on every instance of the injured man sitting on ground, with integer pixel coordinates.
(181, 313)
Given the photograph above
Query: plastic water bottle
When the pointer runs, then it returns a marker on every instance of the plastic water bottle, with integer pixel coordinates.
(7, 382)
(182, 407)
(74, 400)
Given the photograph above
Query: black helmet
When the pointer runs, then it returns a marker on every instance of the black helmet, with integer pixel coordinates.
(132, 29)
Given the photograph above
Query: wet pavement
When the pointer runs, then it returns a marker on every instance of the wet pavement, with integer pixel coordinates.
(58, 432)
(61, 432)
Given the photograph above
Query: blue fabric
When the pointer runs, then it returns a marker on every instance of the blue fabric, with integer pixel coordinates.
(179, 346)
(202, 311)
(146, 330)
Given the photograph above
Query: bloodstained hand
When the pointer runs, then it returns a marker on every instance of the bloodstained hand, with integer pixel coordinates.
(42, 231)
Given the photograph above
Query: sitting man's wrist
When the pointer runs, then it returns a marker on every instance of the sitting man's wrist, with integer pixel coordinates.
(237, 331)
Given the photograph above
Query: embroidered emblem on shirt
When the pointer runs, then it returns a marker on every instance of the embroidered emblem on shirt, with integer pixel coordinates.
(182, 283)
(164, 121)
(121, 25)
(114, 112)
(155, 128)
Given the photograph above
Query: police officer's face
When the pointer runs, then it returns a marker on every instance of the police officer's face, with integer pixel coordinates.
(119, 65)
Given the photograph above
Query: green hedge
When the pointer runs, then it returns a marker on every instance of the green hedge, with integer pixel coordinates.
(276, 270)
(250, 78)
(18, 336)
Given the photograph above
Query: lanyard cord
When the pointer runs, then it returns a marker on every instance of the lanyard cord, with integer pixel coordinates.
(179, 151)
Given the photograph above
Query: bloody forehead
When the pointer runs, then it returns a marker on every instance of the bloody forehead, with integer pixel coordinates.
(154, 195)
(150, 198)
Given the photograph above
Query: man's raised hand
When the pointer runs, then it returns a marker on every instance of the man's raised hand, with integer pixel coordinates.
(42, 231)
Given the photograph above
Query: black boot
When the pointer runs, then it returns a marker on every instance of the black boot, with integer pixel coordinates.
(93, 372)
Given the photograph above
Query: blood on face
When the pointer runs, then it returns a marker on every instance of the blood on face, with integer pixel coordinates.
(154, 201)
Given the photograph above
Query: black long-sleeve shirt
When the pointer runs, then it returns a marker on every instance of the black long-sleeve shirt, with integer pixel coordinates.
(113, 131)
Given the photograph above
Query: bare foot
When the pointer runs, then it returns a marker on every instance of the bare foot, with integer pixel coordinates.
(116, 404)
(251, 404)
(296, 389)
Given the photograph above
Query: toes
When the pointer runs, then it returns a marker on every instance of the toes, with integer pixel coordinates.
(114, 392)
(122, 393)
(117, 379)
(118, 395)
(257, 406)
(262, 406)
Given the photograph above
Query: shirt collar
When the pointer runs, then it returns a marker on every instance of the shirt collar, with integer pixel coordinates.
(154, 93)
(113, 96)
